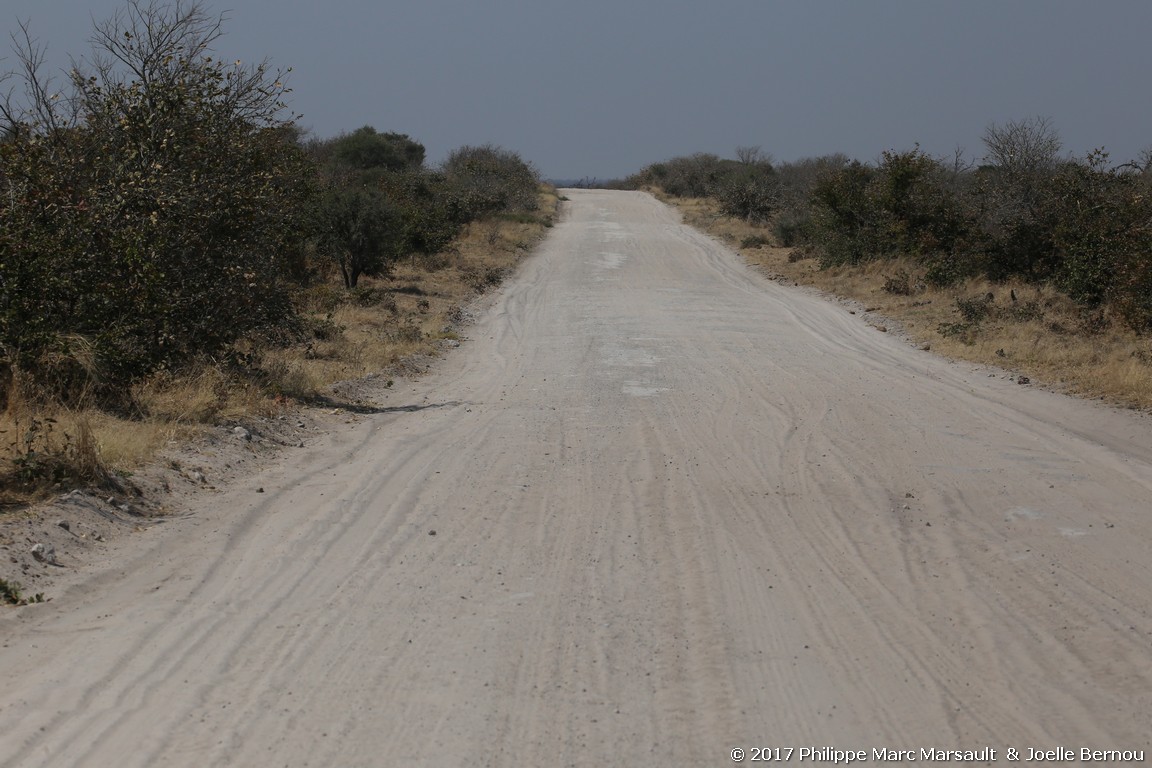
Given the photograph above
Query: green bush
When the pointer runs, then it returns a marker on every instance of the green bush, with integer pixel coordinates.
(845, 216)
(365, 149)
(752, 194)
(910, 204)
(361, 229)
(431, 207)
(491, 179)
(790, 229)
(1101, 239)
(697, 175)
(148, 214)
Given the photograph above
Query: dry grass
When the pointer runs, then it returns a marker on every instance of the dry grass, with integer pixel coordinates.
(1039, 334)
(407, 314)
(46, 447)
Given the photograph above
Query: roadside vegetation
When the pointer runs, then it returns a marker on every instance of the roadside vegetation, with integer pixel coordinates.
(1031, 260)
(175, 251)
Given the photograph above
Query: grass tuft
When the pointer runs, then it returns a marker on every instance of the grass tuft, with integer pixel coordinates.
(10, 594)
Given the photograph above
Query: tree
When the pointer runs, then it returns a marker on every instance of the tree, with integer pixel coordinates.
(148, 209)
(490, 179)
(750, 191)
(1023, 146)
(753, 156)
(364, 149)
(431, 208)
(1019, 211)
(361, 230)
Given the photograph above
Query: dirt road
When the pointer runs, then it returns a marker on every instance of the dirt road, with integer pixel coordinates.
(656, 508)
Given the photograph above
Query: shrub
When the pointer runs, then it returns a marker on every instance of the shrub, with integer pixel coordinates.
(431, 208)
(909, 204)
(489, 179)
(10, 594)
(899, 284)
(789, 231)
(148, 213)
(365, 149)
(976, 309)
(1102, 240)
(697, 175)
(944, 270)
(845, 216)
(752, 195)
(361, 229)
(797, 180)
(1018, 213)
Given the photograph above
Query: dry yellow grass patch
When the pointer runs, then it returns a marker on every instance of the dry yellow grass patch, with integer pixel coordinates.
(1040, 334)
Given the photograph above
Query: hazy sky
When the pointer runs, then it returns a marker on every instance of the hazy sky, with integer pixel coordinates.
(601, 88)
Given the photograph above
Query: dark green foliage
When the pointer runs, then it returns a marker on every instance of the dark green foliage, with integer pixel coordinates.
(906, 205)
(1103, 238)
(150, 223)
(380, 204)
(699, 175)
(975, 309)
(1012, 201)
(946, 269)
(489, 179)
(361, 229)
(364, 149)
(431, 207)
(793, 224)
(846, 217)
(791, 230)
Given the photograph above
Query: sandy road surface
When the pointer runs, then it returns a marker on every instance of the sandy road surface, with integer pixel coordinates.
(677, 509)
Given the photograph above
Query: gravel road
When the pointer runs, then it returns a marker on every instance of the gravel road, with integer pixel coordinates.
(655, 508)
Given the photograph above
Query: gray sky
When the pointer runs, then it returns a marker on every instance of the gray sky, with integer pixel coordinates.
(601, 88)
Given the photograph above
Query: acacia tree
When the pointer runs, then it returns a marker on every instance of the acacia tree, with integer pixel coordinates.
(147, 209)
(361, 231)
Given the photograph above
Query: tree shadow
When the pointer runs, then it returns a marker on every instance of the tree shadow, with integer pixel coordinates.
(323, 401)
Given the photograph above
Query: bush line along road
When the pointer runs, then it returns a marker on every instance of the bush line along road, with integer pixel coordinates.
(656, 508)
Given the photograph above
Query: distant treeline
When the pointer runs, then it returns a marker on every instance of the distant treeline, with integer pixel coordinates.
(1083, 225)
(160, 205)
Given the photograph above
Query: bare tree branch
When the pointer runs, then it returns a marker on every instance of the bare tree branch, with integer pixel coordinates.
(43, 108)
(1023, 146)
